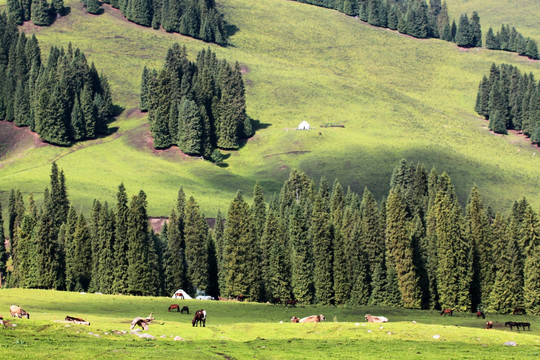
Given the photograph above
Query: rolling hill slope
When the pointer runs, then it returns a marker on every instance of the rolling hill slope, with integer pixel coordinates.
(397, 97)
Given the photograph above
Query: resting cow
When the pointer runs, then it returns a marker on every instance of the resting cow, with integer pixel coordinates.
(295, 320)
(376, 319)
(312, 319)
(18, 312)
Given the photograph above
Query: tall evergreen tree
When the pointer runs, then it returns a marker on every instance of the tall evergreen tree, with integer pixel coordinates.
(321, 237)
(121, 246)
(175, 264)
(195, 236)
(302, 259)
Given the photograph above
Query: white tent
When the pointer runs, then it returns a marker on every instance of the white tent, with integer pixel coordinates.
(179, 294)
(303, 125)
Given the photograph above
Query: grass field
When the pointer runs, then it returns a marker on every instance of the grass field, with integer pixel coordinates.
(248, 331)
(397, 97)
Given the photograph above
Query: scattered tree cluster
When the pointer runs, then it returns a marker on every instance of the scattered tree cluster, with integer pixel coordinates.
(411, 17)
(418, 248)
(64, 100)
(40, 12)
(198, 106)
(510, 100)
(417, 19)
(510, 40)
(196, 18)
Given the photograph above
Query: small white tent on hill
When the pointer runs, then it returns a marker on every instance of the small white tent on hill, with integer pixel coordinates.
(181, 294)
(303, 125)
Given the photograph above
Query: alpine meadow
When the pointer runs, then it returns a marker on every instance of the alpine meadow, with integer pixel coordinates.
(148, 146)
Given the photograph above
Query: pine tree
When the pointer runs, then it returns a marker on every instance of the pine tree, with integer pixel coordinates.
(27, 272)
(93, 6)
(89, 113)
(378, 285)
(241, 255)
(491, 41)
(531, 288)
(195, 237)
(145, 90)
(400, 250)
(58, 7)
(47, 247)
(175, 265)
(278, 271)
(15, 12)
(507, 289)
(78, 128)
(302, 259)
(40, 12)
(258, 211)
(476, 30)
(121, 247)
(140, 279)
(477, 230)
(219, 230)
(82, 263)
(321, 237)
(464, 35)
(190, 123)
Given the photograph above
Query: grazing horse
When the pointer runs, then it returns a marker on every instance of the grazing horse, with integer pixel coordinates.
(18, 312)
(276, 300)
(295, 320)
(480, 314)
(489, 324)
(524, 325)
(200, 318)
(291, 303)
(174, 306)
(519, 311)
(447, 311)
(185, 309)
(511, 324)
(312, 319)
(376, 319)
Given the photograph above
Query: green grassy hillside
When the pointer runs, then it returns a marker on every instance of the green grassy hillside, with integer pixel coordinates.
(397, 97)
(247, 331)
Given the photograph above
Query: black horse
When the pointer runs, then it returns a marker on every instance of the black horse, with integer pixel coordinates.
(200, 318)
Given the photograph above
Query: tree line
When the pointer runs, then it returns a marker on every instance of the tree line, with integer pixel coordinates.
(510, 100)
(199, 19)
(63, 100)
(199, 106)
(40, 12)
(417, 248)
(420, 20)
(511, 40)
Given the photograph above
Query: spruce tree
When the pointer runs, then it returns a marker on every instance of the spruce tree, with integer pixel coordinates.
(491, 40)
(140, 247)
(92, 6)
(191, 128)
(121, 246)
(40, 12)
(82, 263)
(301, 256)
(378, 285)
(27, 273)
(258, 211)
(15, 12)
(175, 265)
(240, 255)
(195, 237)
(398, 243)
(464, 35)
(278, 271)
(321, 237)
(531, 288)
(476, 30)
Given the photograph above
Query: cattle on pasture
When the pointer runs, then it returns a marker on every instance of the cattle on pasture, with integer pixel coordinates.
(16, 311)
(295, 320)
(312, 319)
(376, 319)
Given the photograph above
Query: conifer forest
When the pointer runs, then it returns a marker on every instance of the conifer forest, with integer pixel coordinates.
(418, 247)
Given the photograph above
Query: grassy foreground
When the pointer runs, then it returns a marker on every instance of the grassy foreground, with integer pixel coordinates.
(247, 330)
(397, 97)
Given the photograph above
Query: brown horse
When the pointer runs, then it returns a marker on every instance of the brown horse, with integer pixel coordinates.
(447, 312)
(480, 314)
(276, 300)
(174, 306)
(200, 318)
(519, 311)
(291, 303)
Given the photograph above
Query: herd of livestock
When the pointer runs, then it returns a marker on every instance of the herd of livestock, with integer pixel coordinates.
(200, 317)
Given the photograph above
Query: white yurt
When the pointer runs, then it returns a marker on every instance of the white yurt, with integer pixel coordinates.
(303, 125)
(181, 294)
